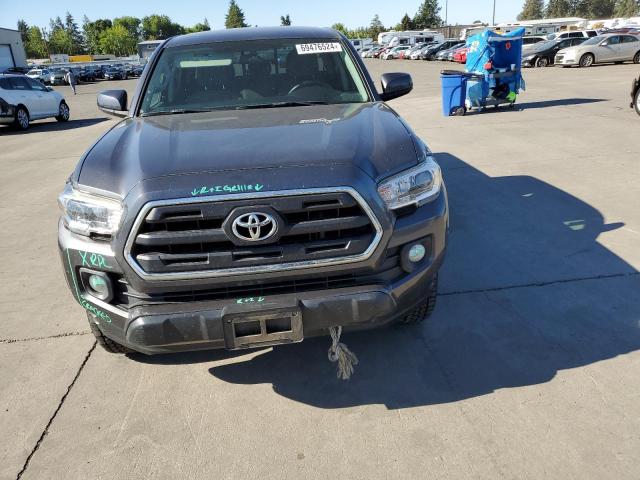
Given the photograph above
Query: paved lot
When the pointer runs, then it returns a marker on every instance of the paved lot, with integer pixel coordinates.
(529, 369)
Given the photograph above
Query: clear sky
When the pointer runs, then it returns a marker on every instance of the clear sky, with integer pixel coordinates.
(258, 12)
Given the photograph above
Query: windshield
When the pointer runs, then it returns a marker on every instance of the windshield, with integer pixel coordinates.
(544, 45)
(252, 74)
(592, 41)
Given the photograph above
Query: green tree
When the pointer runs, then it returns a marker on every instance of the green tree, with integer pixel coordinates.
(71, 27)
(235, 16)
(406, 23)
(557, 9)
(35, 45)
(341, 28)
(61, 42)
(285, 20)
(532, 10)
(92, 32)
(118, 41)
(627, 8)
(132, 24)
(428, 15)
(199, 27)
(376, 27)
(601, 8)
(159, 27)
(23, 28)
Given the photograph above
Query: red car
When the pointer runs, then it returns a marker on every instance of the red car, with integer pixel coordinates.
(460, 55)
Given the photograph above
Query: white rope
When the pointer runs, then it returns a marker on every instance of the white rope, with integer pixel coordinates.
(338, 352)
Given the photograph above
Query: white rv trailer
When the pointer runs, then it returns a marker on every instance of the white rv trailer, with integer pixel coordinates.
(411, 37)
(360, 43)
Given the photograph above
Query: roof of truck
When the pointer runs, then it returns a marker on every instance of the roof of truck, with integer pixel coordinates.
(252, 33)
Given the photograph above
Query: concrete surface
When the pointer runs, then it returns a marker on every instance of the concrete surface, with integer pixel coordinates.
(528, 369)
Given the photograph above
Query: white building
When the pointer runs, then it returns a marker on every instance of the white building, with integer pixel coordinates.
(12, 52)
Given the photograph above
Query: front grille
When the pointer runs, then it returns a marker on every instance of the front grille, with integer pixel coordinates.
(192, 238)
(126, 297)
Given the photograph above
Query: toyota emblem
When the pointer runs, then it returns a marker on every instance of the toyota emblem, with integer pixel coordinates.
(254, 227)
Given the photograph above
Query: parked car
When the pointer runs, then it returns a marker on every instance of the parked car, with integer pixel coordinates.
(635, 95)
(431, 52)
(416, 53)
(543, 54)
(529, 40)
(115, 74)
(602, 49)
(57, 76)
(573, 34)
(380, 52)
(460, 55)
(268, 242)
(445, 54)
(136, 70)
(24, 99)
(40, 74)
(394, 53)
(86, 75)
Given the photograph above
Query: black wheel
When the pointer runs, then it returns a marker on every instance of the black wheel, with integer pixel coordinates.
(63, 112)
(459, 112)
(636, 102)
(587, 60)
(542, 62)
(425, 309)
(21, 121)
(636, 58)
(105, 342)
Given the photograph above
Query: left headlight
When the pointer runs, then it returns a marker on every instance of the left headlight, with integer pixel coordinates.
(87, 214)
(417, 185)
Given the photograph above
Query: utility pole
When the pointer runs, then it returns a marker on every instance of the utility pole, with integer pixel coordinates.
(446, 17)
(493, 22)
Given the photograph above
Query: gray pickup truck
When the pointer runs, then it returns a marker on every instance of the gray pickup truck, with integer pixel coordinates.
(258, 190)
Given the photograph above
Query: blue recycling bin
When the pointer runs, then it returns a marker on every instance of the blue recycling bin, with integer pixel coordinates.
(454, 92)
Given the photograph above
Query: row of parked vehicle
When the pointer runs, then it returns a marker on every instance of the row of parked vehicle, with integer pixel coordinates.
(582, 48)
(88, 73)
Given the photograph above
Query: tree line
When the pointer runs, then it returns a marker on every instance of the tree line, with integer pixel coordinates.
(120, 35)
(427, 16)
(591, 9)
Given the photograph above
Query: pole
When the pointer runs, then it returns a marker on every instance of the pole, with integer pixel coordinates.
(446, 17)
(493, 22)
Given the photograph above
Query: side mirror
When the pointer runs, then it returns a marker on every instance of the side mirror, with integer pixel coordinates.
(113, 102)
(395, 85)
(605, 43)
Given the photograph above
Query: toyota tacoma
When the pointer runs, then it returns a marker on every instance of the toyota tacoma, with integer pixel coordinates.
(257, 190)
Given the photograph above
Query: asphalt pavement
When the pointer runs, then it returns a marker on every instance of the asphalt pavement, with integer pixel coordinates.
(528, 369)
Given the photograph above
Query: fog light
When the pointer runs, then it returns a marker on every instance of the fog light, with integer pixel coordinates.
(97, 284)
(417, 253)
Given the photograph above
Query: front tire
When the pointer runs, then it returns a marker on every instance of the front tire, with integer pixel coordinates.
(21, 121)
(423, 310)
(105, 342)
(63, 112)
(542, 62)
(636, 58)
(587, 60)
(636, 102)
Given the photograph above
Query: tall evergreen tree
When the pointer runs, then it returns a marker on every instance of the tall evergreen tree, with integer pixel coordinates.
(557, 9)
(627, 8)
(23, 28)
(235, 16)
(532, 10)
(428, 15)
(285, 20)
(71, 27)
(601, 8)
(406, 23)
(376, 27)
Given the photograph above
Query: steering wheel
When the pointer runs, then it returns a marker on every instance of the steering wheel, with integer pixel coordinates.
(309, 83)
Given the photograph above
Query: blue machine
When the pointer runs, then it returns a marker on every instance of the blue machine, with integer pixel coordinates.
(494, 64)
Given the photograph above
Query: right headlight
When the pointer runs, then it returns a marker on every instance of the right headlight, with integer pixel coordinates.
(415, 186)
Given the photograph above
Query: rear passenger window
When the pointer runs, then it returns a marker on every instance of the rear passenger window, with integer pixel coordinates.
(5, 84)
(629, 39)
(19, 83)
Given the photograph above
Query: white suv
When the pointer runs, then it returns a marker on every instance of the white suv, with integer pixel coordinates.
(23, 99)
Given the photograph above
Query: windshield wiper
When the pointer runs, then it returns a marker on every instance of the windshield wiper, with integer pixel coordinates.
(281, 104)
(177, 111)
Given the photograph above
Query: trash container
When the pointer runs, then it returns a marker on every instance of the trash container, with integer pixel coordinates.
(454, 92)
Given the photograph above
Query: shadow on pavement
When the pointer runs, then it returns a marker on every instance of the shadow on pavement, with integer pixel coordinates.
(558, 103)
(505, 232)
(52, 126)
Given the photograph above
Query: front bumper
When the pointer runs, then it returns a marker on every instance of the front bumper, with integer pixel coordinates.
(197, 325)
(565, 61)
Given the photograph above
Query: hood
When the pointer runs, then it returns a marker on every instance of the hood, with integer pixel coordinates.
(368, 136)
